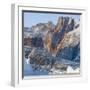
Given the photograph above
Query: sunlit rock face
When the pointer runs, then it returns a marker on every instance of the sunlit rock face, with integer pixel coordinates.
(58, 33)
(72, 38)
(41, 29)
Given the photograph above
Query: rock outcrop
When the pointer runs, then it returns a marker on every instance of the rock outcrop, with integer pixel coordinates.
(72, 38)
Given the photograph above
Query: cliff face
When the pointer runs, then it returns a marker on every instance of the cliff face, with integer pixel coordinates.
(72, 38)
(65, 34)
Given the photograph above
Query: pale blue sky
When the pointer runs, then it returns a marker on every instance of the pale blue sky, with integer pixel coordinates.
(32, 18)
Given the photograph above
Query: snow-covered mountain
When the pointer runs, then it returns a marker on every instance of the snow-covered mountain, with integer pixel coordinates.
(54, 47)
(39, 29)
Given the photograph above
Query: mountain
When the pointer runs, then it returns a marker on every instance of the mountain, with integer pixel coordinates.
(72, 38)
(35, 35)
(66, 32)
(53, 48)
(40, 29)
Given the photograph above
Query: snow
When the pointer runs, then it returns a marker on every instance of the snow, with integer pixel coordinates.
(53, 71)
(71, 70)
(27, 61)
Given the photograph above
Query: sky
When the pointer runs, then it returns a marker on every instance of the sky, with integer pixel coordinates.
(33, 18)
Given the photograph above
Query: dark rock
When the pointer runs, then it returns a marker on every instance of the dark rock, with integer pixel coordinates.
(70, 27)
(70, 53)
(41, 56)
(58, 36)
(27, 51)
(37, 42)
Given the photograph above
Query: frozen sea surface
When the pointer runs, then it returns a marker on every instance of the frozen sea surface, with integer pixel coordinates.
(29, 71)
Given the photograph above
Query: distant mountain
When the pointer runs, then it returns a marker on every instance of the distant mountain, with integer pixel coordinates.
(40, 29)
(27, 29)
(43, 26)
